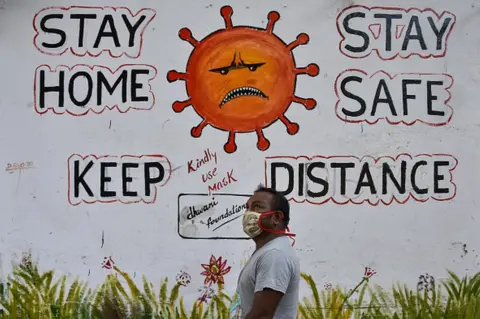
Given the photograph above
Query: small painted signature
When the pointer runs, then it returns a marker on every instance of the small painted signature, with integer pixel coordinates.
(12, 167)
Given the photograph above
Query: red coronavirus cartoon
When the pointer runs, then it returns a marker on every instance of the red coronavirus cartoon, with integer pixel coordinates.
(242, 79)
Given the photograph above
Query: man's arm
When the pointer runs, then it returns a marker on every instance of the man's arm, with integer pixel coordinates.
(264, 304)
(273, 275)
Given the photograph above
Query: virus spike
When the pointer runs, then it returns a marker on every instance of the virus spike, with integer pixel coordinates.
(179, 106)
(292, 128)
(173, 76)
(230, 146)
(312, 69)
(186, 35)
(197, 131)
(273, 17)
(308, 103)
(262, 143)
(302, 38)
(227, 13)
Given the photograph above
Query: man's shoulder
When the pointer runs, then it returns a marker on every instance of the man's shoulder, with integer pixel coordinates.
(282, 245)
(279, 253)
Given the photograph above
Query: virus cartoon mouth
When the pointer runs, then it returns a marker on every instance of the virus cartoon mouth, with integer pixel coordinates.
(242, 91)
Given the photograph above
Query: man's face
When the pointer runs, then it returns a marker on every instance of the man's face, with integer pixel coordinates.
(261, 202)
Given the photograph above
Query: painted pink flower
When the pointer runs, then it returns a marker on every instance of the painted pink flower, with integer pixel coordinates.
(369, 272)
(207, 293)
(215, 270)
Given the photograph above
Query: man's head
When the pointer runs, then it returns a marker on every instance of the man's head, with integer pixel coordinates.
(269, 200)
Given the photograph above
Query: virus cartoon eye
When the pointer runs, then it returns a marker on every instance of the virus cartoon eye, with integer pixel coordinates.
(223, 70)
(254, 67)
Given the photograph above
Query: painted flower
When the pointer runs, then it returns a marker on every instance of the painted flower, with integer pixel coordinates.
(183, 278)
(328, 286)
(27, 260)
(108, 263)
(207, 293)
(369, 272)
(426, 282)
(215, 270)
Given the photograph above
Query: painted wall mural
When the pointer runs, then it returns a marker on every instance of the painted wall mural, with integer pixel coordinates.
(401, 98)
(345, 179)
(394, 32)
(207, 165)
(219, 218)
(89, 30)
(151, 174)
(242, 79)
(125, 88)
(89, 176)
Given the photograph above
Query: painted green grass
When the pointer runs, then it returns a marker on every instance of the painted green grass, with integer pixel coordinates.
(33, 294)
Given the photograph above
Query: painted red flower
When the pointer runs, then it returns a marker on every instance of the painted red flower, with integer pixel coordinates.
(369, 272)
(215, 270)
(108, 263)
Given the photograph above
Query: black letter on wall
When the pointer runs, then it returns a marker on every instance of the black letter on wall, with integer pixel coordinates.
(136, 86)
(71, 88)
(437, 178)
(388, 98)
(149, 180)
(273, 176)
(105, 179)
(346, 93)
(79, 178)
(44, 89)
(348, 29)
(102, 33)
(81, 25)
(413, 175)
(132, 29)
(387, 170)
(127, 179)
(317, 180)
(103, 82)
(365, 174)
(343, 175)
(388, 27)
(61, 33)
(431, 97)
(405, 94)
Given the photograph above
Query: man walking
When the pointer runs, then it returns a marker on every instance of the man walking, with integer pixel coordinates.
(268, 285)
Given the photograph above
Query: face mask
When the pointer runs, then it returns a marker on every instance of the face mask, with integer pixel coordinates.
(252, 225)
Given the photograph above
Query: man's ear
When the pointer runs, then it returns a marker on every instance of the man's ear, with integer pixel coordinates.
(280, 217)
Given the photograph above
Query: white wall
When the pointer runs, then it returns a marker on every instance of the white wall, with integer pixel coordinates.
(400, 236)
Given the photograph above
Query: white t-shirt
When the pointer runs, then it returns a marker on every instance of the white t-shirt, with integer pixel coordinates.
(275, 266)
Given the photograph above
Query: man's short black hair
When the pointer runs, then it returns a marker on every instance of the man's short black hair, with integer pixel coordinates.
(279, 202)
